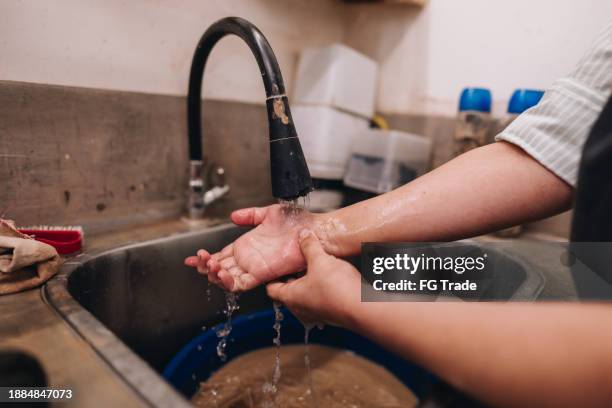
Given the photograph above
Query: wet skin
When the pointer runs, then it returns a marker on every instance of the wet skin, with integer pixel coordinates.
(268, 251)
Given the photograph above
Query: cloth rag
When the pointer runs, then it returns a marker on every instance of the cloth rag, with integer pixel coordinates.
(24, 262)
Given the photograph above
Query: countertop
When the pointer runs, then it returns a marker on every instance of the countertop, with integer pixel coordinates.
(29, 324)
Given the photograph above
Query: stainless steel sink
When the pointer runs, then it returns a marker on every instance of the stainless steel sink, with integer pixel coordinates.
(138, 305)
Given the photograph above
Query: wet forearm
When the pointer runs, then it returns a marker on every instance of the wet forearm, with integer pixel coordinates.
(484, 190)
(514, 355)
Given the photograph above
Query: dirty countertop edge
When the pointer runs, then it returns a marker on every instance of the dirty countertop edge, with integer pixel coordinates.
(29, 324)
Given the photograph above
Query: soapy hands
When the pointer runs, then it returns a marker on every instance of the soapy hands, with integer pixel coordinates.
(265, 253)
(327, 293)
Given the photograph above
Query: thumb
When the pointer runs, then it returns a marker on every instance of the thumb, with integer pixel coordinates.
(276, 291)
(310, 245)
(249, 216)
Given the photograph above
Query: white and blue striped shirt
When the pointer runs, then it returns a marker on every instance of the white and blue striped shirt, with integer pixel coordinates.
(554, 131)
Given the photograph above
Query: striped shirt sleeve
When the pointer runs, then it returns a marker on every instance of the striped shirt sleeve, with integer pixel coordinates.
(554, 131)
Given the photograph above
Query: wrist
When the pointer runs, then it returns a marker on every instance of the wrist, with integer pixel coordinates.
(330, 231)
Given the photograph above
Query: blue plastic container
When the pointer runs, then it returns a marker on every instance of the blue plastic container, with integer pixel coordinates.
(475, 99)
(198, 359)
(523, 99)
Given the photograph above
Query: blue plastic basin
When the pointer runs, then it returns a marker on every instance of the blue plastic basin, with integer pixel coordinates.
(198, 359)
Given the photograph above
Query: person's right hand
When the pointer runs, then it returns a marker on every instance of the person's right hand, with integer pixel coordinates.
(329, 291)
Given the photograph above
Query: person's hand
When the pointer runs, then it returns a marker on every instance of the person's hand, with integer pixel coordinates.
(267, 252)
(328, 292)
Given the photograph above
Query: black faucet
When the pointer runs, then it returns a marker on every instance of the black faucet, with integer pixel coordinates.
(289, 172)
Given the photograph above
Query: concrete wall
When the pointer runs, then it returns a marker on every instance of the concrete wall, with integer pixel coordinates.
(104, 159)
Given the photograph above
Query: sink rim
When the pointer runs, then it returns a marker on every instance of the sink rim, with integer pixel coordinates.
(147, 384)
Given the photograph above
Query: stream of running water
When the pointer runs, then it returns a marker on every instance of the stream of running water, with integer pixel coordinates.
(313, 396)
(270, 389)
(231, 305)
(292, 208)
(278, 318)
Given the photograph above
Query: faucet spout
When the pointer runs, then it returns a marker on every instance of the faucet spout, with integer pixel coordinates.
(289, 171)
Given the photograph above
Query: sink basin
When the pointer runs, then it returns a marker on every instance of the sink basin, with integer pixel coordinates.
(149, 299)
(138, 305)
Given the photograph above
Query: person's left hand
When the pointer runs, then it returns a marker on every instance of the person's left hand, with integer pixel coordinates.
(329, 291)
(265, 253)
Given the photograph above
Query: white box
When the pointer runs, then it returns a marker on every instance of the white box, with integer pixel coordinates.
(382, 160)
(326, 135)
(337, 76)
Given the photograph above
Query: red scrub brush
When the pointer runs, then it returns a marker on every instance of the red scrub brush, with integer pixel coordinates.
(66, 240)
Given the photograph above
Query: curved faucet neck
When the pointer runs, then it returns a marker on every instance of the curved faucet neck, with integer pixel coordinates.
(268, 66)
(290, 176)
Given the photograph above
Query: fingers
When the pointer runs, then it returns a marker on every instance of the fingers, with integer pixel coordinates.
(277, 291)
(245, 282)
(213, 277)
(294, 296)
(226, 279)
(227, 263)
(191, 261)
(249, 216)
(199, 261)
(214, 263)
(226, 271)
(203, 257)
(235, 279)
(221, 269)
(227, 251)
(213, 266)
(310, 245)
